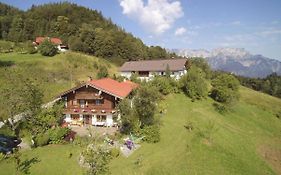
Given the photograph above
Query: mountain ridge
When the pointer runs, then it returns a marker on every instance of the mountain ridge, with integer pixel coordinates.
(235, 60)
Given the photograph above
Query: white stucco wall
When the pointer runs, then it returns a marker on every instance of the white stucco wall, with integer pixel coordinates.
(67, 118)
(126, 74)
(175, 74)
(94, 119)
(109, 120)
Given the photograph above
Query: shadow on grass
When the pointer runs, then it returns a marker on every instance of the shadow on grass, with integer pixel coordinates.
(26, 165)
(6, 63)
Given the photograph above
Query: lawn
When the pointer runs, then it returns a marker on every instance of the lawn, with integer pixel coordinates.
(244, 141)
(52, 159)
(233, 147)
(233, 143)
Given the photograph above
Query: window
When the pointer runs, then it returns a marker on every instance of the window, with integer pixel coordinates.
(99, 102)
(74, 102)
(101, 118)
(82, 103)
(75, 117)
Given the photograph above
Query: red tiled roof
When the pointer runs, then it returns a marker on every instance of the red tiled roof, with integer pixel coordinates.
(39, 40)
(119, 89)
(56, 41)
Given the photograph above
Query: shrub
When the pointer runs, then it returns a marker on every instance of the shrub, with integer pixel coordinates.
(97, 159)
(47, 48)
(42, 139)
(194, 83)
(6, 46)
(30, 48)
(225, 89)
(7, 131)
(57, 134)
(151, 133)
(202, 64)
(145, 104)
(115, 152)
(163, 84)
(221, 108)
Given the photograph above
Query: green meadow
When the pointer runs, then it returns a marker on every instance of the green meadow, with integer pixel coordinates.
(195, 138)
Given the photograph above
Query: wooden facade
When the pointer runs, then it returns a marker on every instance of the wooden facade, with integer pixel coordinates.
(89, 106)
(95, 102)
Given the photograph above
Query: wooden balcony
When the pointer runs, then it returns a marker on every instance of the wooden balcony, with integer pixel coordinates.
(88, 111)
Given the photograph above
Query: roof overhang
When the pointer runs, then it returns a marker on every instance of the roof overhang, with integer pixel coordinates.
(91, 85)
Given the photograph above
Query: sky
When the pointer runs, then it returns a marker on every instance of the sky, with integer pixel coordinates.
(195, 24)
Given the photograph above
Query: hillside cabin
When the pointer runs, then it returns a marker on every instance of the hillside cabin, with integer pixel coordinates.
(55, 41)
(147, 69)
(94, 102)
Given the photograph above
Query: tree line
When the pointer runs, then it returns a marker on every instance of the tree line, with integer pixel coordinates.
(81, 28)
(270, 84)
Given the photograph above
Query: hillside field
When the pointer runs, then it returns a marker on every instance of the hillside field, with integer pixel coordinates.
(246, 140)
(54, 74)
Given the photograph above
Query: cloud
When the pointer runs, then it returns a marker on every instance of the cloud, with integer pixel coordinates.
(157, 16)
(235, 23)
(269, 32)
(180, 31)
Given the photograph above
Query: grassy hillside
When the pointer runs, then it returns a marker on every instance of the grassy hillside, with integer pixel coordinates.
(240, 142)
(244, 141)
(53, 74)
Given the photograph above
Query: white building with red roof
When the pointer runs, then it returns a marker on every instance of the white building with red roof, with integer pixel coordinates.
(55, 41)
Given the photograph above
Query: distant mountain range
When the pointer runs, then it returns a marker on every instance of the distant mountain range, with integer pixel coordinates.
(235, 60)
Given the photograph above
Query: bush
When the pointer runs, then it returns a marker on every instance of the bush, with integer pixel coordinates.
(115, 152)
(7, 131)
(6, 46)
(96, 159)
(194, 84)
(220, 107)
(225, 89)
(47, 48)
(57, 134)
(163, 84)
(30, 48)
(151, 133)
(145, 104)
(42, 139)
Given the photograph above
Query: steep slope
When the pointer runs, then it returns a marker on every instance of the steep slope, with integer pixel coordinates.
(82, 29)
(219, 144)
(53, 74)
(236, 60)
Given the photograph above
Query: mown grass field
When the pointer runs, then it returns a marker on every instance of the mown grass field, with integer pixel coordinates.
(246, 140)
(236, 145)
(51, 159)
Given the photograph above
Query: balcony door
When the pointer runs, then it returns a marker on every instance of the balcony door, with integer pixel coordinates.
(82, 103)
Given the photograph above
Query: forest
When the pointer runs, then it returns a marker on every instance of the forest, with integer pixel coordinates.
(82, 29)
(269, 85)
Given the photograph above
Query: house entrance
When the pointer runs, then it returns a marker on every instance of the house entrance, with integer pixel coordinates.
(87, 119)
